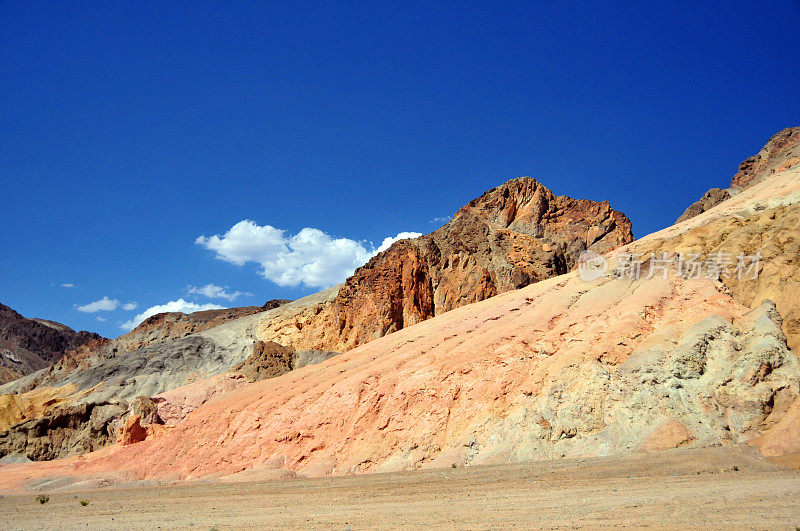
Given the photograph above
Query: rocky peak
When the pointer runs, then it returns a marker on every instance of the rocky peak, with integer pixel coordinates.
(27, 345)
(519, 204)
(511, 236)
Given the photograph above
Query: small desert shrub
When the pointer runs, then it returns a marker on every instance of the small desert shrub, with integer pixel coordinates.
(735, 468)
(454, 465)
(84, 502)
(41, 498)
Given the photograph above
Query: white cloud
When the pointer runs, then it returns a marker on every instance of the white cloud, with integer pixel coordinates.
(387, 242)
(310, 257)
(440, 219)
(67, 285)
(130, 305)
(101, 319)
(103, 305)
(179, 305)
(212, 291)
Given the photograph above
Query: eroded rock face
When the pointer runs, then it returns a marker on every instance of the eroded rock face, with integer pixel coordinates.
(761, 221)
(557, 369)
(16, 408)
(268, 360)
(781, 153)
(103, 371)
(68, 431)
(27, 345)
(102, 377)
(173, 406)
(513, 235)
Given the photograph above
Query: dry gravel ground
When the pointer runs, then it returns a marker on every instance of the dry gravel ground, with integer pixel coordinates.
(678, 488)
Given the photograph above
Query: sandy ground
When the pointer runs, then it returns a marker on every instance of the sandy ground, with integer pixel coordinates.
(679, 488)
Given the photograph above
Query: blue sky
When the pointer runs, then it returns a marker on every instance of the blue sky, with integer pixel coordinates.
(129, 130)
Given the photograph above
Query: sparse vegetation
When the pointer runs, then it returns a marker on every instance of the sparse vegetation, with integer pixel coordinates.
(735, 468)
(41, 498)
(454, 465)
(84, 502)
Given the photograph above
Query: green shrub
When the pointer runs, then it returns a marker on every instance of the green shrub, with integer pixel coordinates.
(84, 502)
(41, 498)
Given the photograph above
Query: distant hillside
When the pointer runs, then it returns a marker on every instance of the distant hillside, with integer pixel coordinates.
(27, 345)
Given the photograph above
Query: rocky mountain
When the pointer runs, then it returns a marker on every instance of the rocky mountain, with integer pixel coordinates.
(781, 152)
(513, 235)
(557, 368)
(27, 345)
(562, 367)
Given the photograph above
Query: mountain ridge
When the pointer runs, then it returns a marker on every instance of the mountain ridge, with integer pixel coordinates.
(27, 345)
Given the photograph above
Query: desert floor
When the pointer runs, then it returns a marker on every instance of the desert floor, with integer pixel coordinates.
(679, 488)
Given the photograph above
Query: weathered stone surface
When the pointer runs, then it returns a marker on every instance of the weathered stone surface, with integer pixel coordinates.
(762, 221)
(268, 360)
(783, 438)
(303, 358)
(104, 371)
(173, 406)
(68, 431)
(132, 431)
(671, 434)
(16, 408)
(146, 409)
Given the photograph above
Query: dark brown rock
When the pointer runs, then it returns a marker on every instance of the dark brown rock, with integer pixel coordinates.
(274, 303)
(146, 409)
(709, 200)
(27, 345)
